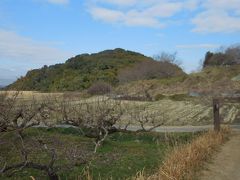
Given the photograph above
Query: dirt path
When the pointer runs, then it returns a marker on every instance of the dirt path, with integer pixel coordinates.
(226, 164)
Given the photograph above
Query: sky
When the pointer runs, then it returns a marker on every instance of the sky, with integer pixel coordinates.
(34, 33)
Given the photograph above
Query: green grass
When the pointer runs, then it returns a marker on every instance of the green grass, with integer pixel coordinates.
(121, 156)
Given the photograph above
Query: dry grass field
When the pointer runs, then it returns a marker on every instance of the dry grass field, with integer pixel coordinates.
(191, 111)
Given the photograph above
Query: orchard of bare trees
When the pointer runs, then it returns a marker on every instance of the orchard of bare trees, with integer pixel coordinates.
(21, 123)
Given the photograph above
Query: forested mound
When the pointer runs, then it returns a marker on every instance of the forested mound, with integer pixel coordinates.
(82, 71)
(225, 57)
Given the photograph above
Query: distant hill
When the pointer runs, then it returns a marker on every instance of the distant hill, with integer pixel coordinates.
(210, 80)
(80, 72)
(227, 57)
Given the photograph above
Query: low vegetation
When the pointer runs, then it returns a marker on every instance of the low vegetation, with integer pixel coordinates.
(122, 155)
(184, 161)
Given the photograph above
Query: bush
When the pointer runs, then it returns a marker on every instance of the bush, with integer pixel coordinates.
(149, 70)
(184, 161)
(99, 88)
(159, 97)
(228, 56)
(179, 97)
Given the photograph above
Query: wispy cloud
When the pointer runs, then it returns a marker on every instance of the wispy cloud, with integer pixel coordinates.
(58, 1)
(197, 46)
(218, 16)
(207, 16)
(22, 49)
(148, 13)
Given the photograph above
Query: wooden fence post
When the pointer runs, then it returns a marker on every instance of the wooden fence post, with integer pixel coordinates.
(216, 107)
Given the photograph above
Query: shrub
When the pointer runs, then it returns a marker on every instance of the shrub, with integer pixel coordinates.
(179, 97)
(149, 70)
(183, 162)
(99, 88)
(159, 97)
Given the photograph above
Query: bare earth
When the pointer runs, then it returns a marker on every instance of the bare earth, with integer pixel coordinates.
(226, 164)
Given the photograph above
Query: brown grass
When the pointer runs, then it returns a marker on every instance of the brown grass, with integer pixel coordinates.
(184, 161)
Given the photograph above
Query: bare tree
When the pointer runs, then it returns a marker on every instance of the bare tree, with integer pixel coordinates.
(168, 58)
(96, 119)
(40, 152)
(17, 114)
(99, 88)
(151, 69)
(152, 119)
(24, 151)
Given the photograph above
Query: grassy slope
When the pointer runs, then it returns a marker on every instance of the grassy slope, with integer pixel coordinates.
(121, 156)
(211, 78)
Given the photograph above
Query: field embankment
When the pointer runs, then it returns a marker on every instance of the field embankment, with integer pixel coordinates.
(184, 161)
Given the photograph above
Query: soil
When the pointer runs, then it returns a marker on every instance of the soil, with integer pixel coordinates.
(225, 165)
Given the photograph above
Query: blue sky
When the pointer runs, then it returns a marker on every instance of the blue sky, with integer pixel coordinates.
(38, 32)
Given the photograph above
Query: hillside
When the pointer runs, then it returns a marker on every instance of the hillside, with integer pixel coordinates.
(214, 79)
(220, 74)
(80, 72)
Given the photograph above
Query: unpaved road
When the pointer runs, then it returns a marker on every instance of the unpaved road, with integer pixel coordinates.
(163, 129)
(226, 163)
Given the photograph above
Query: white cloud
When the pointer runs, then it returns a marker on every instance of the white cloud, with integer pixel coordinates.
(221, 4)
(25, 50)
(216, 21)
(120, 2)
(131, 18)
(107, 15)
(58, 1)
(149, 13)
(166, 9)
(218, 16)
(197, 46)
(211, 15)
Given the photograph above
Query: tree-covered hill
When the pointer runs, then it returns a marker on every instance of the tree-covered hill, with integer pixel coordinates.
(226, 57)
(82, 71)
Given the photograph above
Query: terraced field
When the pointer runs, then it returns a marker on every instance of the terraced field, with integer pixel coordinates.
(187, 112)
(194, 111)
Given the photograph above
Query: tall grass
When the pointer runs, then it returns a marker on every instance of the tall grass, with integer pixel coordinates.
(184, 161)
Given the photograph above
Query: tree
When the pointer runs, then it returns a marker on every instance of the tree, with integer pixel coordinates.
(95, 119)
(17, 115)
(208, 57)
(151, 69)
(224, 57)
(99, 88)
(146, 118)
(167, 57)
